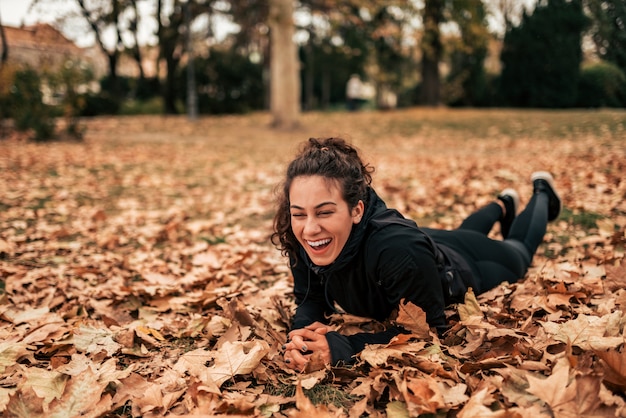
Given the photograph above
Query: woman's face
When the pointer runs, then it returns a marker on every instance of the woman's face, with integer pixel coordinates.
(320, 217)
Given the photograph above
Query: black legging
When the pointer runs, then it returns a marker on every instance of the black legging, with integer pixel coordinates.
(496, 261)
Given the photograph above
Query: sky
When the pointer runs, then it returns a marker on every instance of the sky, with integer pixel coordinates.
(16, 12)
(13, 11)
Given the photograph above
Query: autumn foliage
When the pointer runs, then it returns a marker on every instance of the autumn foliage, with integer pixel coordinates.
(137, 278)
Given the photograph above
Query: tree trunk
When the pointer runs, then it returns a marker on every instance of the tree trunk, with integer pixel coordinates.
(5, 46)
(284, 68)
(169, 93)
(136, 51)
(116, 91)
(431, 53)
(309, 77)
(171, 49)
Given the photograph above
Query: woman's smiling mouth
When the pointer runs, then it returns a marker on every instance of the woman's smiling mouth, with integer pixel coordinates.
(320, 244)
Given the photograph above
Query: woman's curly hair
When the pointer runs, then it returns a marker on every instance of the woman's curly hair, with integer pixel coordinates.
(333, 159)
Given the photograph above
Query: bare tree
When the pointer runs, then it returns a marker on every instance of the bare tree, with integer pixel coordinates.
(104, 15)
(284, 68)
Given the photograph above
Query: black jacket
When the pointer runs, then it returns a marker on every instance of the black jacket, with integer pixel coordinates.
(387, 258)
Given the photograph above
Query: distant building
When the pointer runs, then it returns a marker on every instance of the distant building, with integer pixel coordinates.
(42, 46)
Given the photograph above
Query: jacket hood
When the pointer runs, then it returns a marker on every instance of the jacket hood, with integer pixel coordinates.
(373, 206)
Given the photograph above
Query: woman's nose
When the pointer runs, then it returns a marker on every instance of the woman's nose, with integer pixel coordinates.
(312, 226)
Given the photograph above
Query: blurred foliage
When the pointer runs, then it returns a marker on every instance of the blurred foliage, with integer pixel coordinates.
(602, 84)
(608, 30)
(152, 106)
(26, 105)
(227, 82)
(34, 98)
(7, 74)
(541, 57)
(382, 41)
(466, 85)
(72, 81)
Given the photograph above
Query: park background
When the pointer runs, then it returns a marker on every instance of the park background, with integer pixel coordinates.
(136, 273)
(216, 57)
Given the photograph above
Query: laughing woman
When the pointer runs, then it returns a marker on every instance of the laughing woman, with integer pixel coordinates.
(347, 249)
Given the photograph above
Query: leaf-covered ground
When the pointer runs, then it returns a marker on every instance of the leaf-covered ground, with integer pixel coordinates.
(137, 278)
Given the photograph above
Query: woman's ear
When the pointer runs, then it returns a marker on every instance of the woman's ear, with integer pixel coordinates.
(357, 212)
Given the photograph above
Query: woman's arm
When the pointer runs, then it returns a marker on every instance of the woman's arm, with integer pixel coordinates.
(310, 299)
(411, 273)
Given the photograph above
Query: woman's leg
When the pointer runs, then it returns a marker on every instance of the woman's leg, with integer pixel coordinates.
(529, 228)
(483, 219)
(494, 261)
(503, 211)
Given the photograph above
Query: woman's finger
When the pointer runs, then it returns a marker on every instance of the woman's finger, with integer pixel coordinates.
(304, 335)
(295, 360)
(297, 343)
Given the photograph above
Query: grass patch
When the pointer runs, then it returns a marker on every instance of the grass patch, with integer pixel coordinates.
(39, 203)
(583, 219)
(152, 106)
(213, 240)
(321, 394)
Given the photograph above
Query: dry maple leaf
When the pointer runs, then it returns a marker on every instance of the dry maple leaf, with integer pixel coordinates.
(587, 332)
(93, 340)
(615, 367)
(421, 393)
(569, 396)
(81, 396)
(470, 308)
(48, 385)
(235, 358)
(379, 354)
(413, 318)
(10, 353)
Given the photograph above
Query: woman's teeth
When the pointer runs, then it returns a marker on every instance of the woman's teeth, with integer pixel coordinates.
(320, 243)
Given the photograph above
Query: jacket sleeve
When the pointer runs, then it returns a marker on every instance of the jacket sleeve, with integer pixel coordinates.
(410, 272)
(310, 299)
(344, 348)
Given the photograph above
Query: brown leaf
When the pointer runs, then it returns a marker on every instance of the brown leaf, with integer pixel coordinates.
(235, 358)
(470, 308)
(586, 332)
(83, 396)
(413, 318)
(421, 394)
(615, 367)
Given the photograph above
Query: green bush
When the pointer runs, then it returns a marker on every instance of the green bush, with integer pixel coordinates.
(153, 106)
(100, 104)
(541, 57)
(227, 82)
(602, 84)
(27, 106)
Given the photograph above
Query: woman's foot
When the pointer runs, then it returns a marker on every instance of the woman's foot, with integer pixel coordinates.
(510, 200)
(544, 182)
